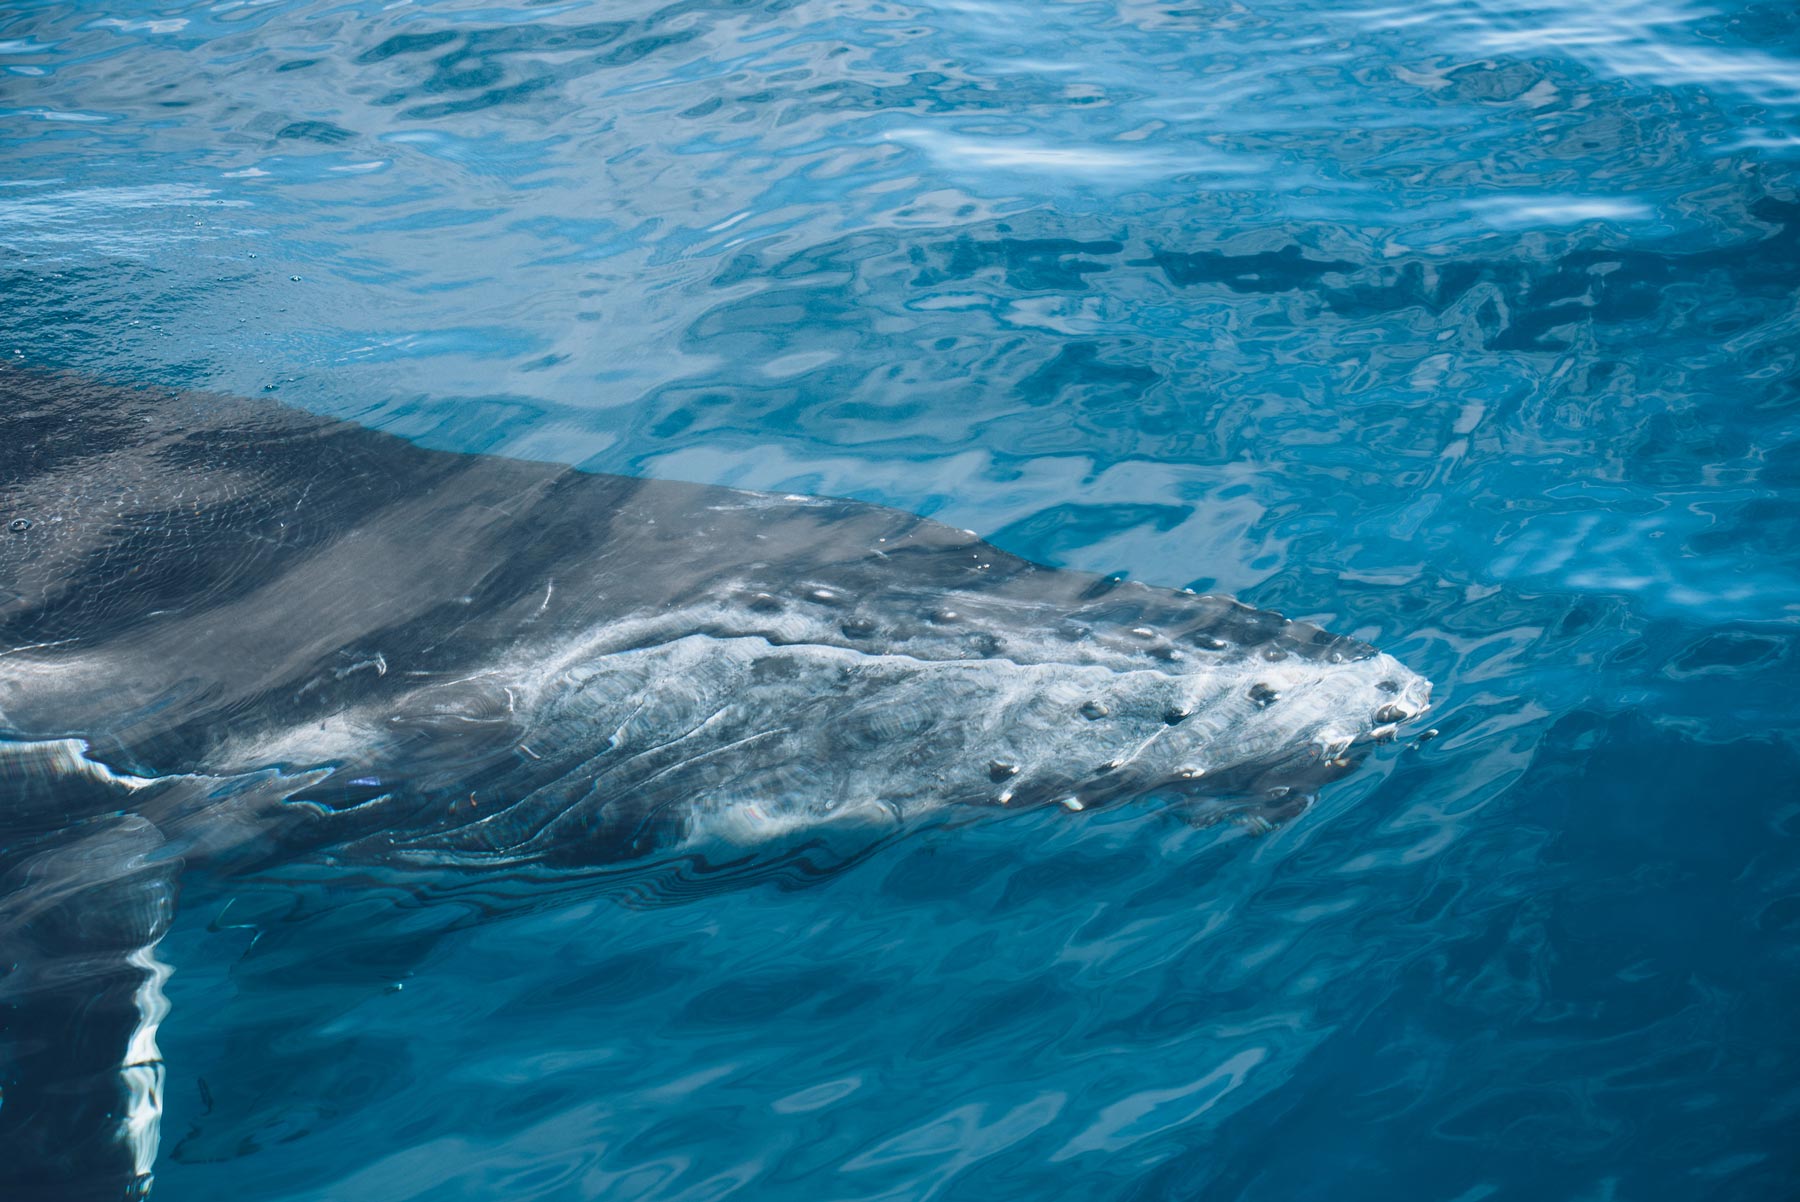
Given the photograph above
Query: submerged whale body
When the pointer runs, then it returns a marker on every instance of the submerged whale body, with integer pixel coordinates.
(233, 633)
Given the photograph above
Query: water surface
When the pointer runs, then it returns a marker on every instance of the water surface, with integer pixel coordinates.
(1468, 328)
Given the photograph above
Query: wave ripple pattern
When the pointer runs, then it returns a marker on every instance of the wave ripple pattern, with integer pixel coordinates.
(1463, 328)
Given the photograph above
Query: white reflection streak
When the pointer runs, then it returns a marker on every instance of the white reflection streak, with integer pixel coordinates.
(142, 1071)
(1649, 40)
(1090, 160)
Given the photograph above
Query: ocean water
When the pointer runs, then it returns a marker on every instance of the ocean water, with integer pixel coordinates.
(1470, 328)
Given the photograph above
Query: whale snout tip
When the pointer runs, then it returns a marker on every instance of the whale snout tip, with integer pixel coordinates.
(1406, 695)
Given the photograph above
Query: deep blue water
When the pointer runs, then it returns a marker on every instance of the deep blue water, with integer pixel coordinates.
(1468, 328)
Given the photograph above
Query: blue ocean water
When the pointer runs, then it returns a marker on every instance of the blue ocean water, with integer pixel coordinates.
(1468, 327)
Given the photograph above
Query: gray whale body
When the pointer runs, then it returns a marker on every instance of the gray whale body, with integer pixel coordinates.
(233, 634)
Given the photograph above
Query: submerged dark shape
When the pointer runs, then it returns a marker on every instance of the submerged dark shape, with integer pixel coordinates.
(232, 633)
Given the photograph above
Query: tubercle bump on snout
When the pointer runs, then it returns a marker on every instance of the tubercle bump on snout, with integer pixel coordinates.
(1410, 701)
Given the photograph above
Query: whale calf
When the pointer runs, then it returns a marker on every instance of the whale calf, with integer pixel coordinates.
(234, 634)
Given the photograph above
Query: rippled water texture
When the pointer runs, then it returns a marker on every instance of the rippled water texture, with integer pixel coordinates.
(1466, 328)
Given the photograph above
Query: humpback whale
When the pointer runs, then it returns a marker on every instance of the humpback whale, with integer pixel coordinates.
(233, 634)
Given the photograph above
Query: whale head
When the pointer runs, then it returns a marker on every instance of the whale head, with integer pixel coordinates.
(757, 711)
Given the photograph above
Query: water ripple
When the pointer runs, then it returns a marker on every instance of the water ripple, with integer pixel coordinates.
(1466, 327)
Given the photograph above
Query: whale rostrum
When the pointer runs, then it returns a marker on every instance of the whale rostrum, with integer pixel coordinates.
(234, 633)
